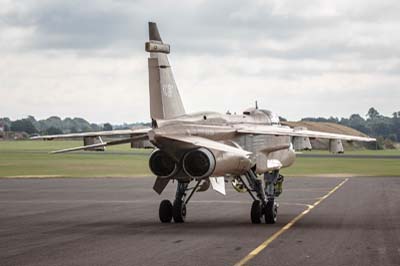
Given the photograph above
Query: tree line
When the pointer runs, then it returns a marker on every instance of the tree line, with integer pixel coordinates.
(385, 129)
(52, 125)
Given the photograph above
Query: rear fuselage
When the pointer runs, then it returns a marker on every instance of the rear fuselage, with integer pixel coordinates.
(222, 127)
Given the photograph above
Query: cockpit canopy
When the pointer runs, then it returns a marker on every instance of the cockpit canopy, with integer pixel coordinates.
(263, 116)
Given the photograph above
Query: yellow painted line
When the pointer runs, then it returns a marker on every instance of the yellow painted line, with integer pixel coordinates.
(266, 243)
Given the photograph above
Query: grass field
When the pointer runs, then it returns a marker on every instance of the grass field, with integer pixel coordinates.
(360, 152)
(31, 159)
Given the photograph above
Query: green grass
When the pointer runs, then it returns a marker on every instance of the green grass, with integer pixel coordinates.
(394, 152)
(360, 167)
(31, 159)
(350, 166)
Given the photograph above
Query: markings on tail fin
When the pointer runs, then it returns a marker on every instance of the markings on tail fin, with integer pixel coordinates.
(167, 90)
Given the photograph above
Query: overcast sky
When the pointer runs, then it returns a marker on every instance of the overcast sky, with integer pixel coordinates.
(297, 58)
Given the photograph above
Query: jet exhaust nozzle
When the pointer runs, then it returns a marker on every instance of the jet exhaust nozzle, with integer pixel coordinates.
(202, 163)
(162, 165)
(199, 163)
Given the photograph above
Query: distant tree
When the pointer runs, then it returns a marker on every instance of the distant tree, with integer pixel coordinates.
(54, 121)
(396, 125)
(95, 127)
(282, 119)
(356, 118)
(23, 125)
(42, 125)
(68, 124)
(357, 122)
(392, 137)
(31, 118)
(82, 125)
(53, 131)
(107, 127)
(322, 119)
(35, 123)
(372, 113)
(380, 143)
(6, 123)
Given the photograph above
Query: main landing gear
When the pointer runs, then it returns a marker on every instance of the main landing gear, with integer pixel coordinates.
(177, 211)
(264, 204)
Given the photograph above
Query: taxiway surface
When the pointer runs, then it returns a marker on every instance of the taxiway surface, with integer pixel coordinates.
(115, 222)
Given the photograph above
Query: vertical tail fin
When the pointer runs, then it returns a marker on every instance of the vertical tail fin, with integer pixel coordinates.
(165, 101)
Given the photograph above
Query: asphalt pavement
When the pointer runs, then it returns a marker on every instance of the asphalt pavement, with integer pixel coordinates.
(114, 221)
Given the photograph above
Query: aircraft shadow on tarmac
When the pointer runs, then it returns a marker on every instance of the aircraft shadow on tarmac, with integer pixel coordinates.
(154, 227)
(214, 227)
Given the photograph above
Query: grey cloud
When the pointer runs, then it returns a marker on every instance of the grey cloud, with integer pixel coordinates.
(209, 27)
(360, 39)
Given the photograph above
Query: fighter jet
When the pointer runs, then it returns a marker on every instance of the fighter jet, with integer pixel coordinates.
(209, 148)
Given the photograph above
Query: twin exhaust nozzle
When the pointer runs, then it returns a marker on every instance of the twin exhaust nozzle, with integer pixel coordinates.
(198, 163)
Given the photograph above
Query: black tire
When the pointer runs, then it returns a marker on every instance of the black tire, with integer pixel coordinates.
(256, 212)
(271, 212)
(165, 211)
(179, 211)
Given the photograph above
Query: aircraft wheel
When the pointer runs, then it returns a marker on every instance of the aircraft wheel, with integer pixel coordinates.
(179, 211)
(256, 212)
(165, 211)
(271, 212)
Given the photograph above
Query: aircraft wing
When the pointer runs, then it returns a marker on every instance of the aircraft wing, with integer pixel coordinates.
(131, 132)
(92, 141)
(287, 131)
(101, 144)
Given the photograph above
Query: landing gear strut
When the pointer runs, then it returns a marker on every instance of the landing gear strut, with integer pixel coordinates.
(179, 207)
(177, 211)
(264, 203)
(273, 188)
